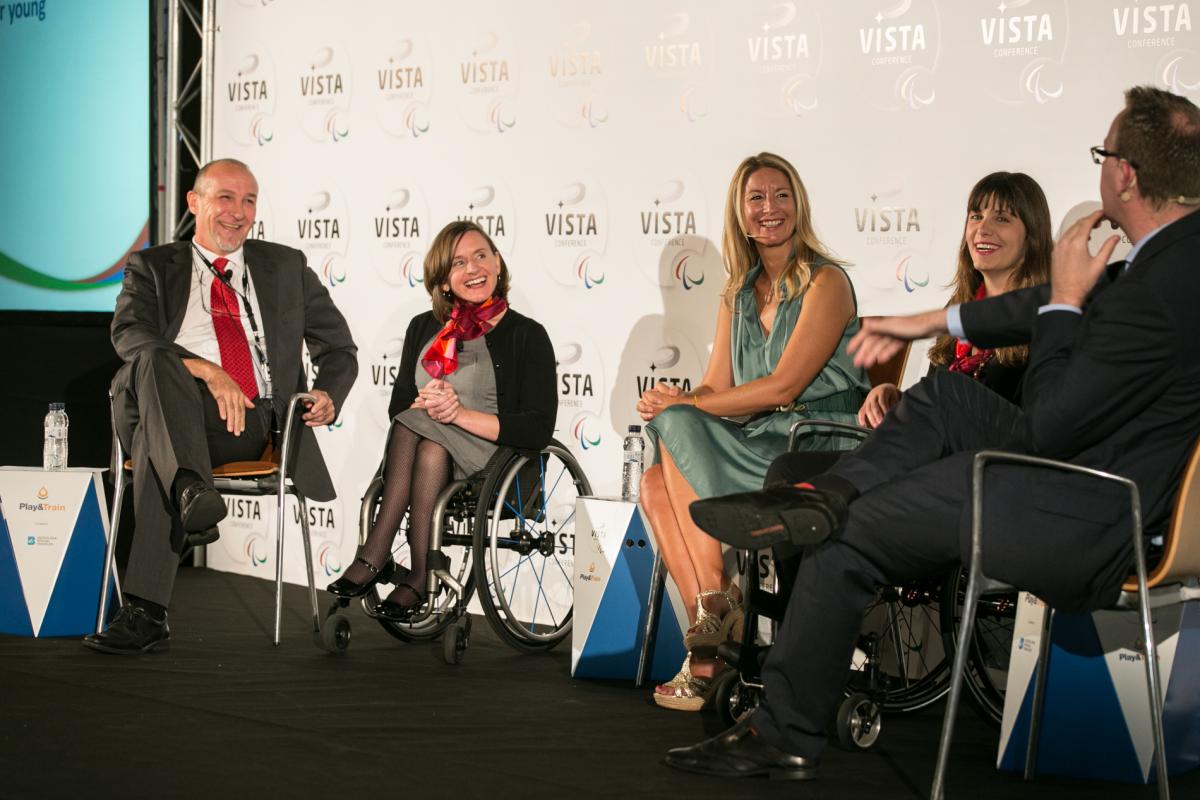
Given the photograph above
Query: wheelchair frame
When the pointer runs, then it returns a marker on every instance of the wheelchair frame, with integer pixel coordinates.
(517, 487)
(872, 690)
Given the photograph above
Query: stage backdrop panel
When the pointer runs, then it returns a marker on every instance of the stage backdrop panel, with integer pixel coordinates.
(595, 143)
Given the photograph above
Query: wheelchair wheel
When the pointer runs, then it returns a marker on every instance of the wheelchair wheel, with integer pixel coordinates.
(733, 699)
(990, 646)
(525, 547)
(456, 544)
(858, 722)
(902, 663)
(456, 640)
(334, 636)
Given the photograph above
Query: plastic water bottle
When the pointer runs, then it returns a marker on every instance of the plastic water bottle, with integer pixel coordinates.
(631, 468)
(54, 450)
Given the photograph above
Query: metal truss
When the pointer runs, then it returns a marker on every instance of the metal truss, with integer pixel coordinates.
(183, 45)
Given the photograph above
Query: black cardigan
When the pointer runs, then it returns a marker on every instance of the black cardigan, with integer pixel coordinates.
(523, 359)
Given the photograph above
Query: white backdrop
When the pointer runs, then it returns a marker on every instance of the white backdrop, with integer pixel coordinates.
(595, 142)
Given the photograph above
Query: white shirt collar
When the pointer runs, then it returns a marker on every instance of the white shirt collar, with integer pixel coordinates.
(236, 259)
(1138, 245)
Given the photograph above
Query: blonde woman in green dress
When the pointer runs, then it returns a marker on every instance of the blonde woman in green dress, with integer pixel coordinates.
(779, 355)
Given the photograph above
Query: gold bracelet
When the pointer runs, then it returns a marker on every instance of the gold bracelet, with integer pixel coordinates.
(696, 401)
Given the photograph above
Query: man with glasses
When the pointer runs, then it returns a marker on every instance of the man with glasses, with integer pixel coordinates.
(211, 332)
(1113, 383)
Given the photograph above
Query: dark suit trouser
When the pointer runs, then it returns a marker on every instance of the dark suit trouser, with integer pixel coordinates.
(914, 478)
(178, 427)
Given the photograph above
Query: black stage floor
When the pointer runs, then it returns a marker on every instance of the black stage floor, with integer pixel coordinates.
(225, 714)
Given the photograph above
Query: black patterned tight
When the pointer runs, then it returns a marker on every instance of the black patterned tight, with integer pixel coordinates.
(414, 474)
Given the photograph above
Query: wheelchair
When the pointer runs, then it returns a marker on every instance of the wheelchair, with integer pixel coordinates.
(506, 535)
(905, 649)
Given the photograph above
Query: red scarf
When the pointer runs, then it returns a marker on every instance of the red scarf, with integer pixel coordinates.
(964, 359)
(467, 321)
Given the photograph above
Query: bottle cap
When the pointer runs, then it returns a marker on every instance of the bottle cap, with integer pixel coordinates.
(635, 428)
(58, 406)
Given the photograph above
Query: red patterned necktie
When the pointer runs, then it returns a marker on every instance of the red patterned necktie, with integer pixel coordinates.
(231, 336)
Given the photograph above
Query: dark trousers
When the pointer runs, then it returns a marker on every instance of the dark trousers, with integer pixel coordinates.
(913, 475)
(169, 421)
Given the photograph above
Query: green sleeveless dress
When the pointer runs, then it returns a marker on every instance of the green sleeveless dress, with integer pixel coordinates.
(718, 456)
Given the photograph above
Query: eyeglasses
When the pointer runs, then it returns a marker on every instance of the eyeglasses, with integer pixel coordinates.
(1099, 154)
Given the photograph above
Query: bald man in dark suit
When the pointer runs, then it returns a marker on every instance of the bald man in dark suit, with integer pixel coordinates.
(191, 396)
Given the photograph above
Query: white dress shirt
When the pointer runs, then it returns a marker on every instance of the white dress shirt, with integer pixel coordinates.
(197, 334)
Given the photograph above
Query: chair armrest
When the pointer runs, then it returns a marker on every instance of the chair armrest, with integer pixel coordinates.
(285, 452)
(798, 429)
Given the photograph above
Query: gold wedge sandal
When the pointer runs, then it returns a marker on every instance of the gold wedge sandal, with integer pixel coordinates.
(712, 629)
(687, 692)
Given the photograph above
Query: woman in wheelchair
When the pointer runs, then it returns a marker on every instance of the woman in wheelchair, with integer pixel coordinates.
(474, 374)
(1006, 245)
(779, 354)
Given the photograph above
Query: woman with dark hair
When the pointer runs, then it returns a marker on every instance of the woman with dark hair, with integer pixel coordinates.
(1006, 245)
(779, 355)
(474, 374)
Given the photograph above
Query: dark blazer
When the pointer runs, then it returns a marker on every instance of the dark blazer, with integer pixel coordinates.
(1116, 388)
(296, 309)
(523, 359)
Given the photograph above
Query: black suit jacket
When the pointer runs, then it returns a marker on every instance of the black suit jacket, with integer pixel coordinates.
(1116, 388)
(296, 309)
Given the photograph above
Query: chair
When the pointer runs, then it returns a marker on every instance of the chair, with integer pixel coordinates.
(255, 478)
(1174, 580)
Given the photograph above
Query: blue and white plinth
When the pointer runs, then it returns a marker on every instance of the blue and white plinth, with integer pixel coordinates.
(614, 565)
(1096, 717)
(53, 532)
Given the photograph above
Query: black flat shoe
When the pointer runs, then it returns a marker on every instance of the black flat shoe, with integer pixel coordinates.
(741, 753)
(200, 507)
(344, 587)
(132, 632)
(755, 520)
(401, 612)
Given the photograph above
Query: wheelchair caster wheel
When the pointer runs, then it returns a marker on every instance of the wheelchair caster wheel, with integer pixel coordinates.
(858, 722)
(334, 635)
(733, 699)
(456, 639)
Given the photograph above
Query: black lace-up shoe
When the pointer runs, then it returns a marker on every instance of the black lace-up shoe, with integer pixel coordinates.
(132, 632)
(741, 753)
(200, 507)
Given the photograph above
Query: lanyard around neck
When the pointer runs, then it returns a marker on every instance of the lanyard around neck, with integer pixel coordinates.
(244, 296)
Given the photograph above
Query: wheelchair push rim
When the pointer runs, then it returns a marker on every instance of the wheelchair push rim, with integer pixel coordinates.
(524, 547)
